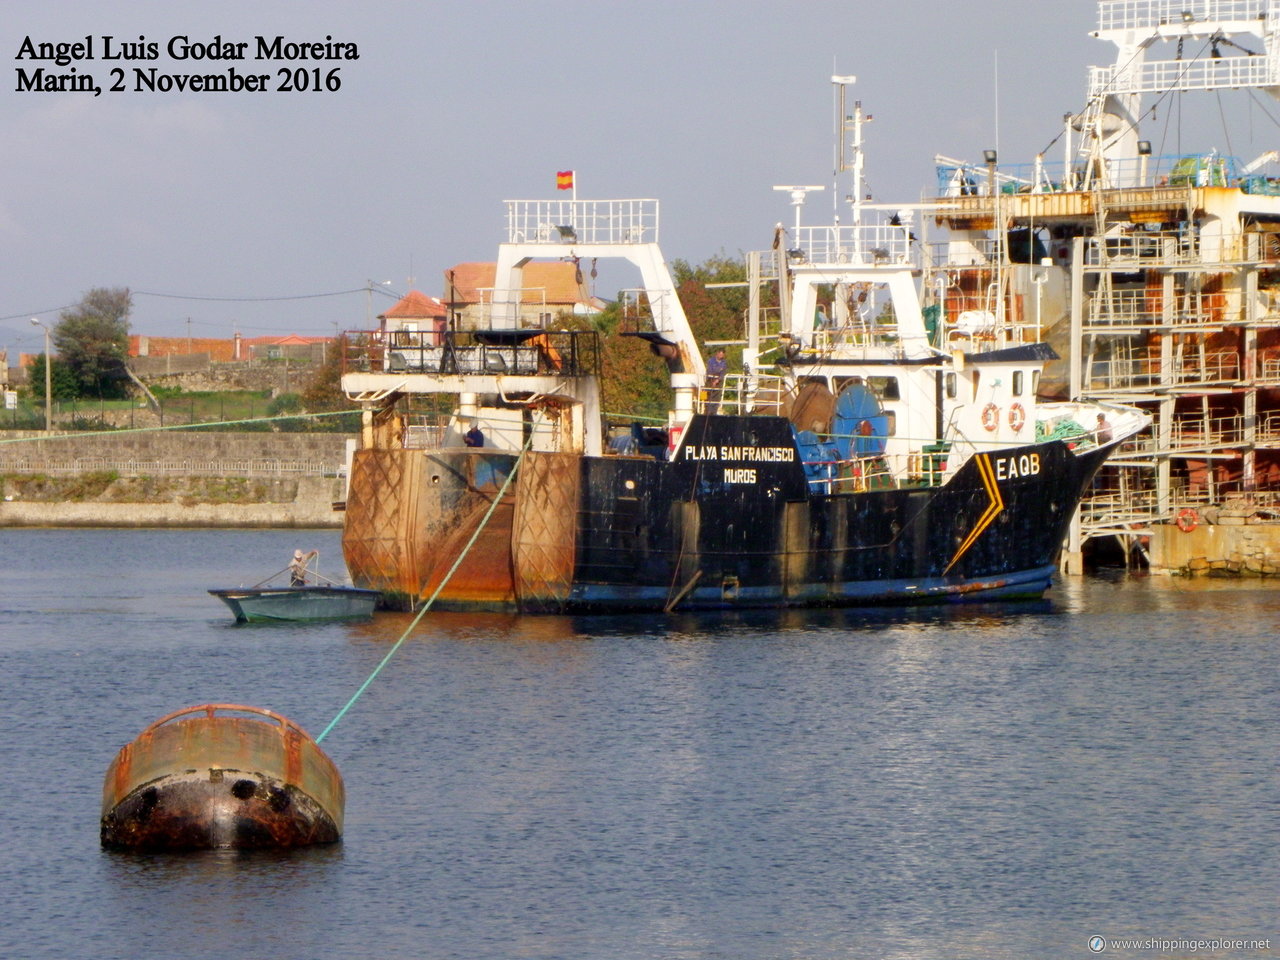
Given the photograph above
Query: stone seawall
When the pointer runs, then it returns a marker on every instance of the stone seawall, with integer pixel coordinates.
(173, 444)
(311, 505)
(172, 479)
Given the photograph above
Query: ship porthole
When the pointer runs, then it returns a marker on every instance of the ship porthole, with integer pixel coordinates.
(243, 789)
(435, 478)
(630, 484)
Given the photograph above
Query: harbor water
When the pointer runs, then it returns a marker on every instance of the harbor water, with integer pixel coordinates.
(991, 781)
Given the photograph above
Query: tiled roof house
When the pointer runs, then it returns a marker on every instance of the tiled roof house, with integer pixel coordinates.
(415, 313)
(550, 289)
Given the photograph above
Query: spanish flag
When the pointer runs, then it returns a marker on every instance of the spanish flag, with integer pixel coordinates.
(564, 180)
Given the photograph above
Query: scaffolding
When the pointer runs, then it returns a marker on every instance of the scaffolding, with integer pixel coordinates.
(1155, 278)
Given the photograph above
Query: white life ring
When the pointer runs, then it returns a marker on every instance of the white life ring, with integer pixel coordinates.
(991, 416)
(1017, 417)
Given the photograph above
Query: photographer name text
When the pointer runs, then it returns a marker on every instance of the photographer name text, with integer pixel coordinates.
(195, 65)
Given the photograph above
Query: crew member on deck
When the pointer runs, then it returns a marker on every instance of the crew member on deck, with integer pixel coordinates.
(1104, 430)
(474, 438)
(298, 568)
(717, 367)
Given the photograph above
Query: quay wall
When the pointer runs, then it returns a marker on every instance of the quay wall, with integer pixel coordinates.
(304, 502)
(171, 444)
(172, 479)
(1217, 550)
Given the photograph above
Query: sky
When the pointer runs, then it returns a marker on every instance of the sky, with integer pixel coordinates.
(283, 212)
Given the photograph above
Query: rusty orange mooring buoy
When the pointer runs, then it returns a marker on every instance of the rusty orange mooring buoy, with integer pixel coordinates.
(221, 775)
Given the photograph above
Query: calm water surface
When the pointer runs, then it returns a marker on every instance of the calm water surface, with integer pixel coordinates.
(995, 781)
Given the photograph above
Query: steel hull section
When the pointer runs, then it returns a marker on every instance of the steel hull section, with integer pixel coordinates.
(291, 604)
(410, 514)
(734, 522)
(208, 777)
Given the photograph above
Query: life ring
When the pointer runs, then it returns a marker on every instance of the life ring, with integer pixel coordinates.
(991, 416)
(1187, 519)
(1017, 417)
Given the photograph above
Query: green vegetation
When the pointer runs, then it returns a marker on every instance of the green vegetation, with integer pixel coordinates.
(62, 380)
(90, 424)
(285, 403)
(42, 487)
(92, 340)
(108, 485)
(636, 381)
(236, 490)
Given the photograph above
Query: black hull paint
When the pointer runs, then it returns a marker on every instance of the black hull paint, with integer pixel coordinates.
(733, 522)
(766, 540)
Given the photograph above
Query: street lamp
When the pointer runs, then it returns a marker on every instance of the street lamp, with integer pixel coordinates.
(48, 379)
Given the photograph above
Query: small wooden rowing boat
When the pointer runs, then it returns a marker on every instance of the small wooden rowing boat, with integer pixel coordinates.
(309, 596)
(274, 604)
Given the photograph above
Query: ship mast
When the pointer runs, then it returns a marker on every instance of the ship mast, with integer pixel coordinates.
(849, 158)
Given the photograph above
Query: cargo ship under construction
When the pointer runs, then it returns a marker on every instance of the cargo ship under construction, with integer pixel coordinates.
(1156, 278)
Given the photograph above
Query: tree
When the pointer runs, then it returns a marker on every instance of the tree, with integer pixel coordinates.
(92, 339)
(323, 390)
(62, 382)
(635, 382)
(719, 312)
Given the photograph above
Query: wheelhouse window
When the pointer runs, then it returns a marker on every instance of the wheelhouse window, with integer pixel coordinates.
(886, 388)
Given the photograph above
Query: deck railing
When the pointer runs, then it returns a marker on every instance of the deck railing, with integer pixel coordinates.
(582, 222)
(524, 352)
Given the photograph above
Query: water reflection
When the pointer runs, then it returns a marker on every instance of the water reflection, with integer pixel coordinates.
(994, 780)
(388, 626)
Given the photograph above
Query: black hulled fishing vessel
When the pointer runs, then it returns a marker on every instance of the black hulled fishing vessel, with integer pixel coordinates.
(855, 459)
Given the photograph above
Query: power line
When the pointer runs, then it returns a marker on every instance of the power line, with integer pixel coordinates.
(184, 296)
(304, 296)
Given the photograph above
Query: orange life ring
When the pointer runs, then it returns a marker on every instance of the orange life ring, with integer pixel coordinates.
(1017, 417)
(1187, 519)
(991, 416)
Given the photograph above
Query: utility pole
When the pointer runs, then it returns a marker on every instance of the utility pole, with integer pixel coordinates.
(48, 380)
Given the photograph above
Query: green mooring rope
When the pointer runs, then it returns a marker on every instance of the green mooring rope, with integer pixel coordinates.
(427, 606)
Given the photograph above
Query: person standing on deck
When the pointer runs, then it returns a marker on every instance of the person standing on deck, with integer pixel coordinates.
(717, 367)
(298, 568)
(1104, 430)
